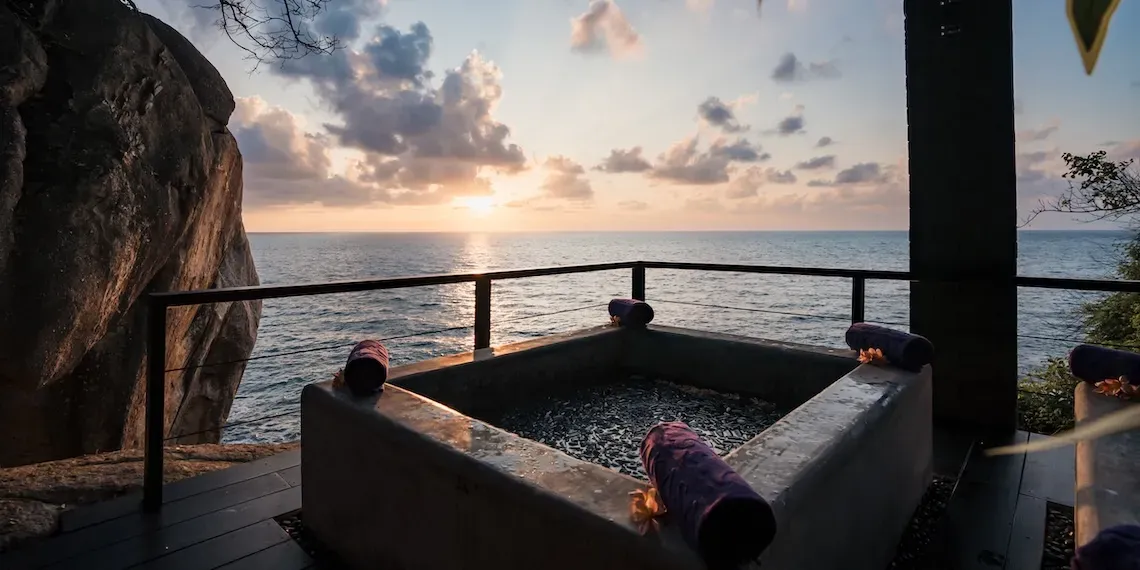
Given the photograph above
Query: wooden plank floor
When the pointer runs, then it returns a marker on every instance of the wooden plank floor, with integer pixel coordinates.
(996, 516)
(222, 519)
(225, 519)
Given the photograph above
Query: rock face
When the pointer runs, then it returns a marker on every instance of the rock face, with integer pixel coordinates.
(118, 177)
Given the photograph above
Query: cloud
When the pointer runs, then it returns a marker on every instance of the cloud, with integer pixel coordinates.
(791, 124)
(633, 205)
(284, 165)
(1036, 135)
(790, 69)
(604, 27)
(777, 177)
(421, 144)
(719, 114)
(564, 180)
(862, 173)
(746, 185)
(739, 150)
(683, 164)
(818, 162)
(624, 161)
(824, 141)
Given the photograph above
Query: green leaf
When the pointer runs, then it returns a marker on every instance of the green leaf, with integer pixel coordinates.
(1089, 20)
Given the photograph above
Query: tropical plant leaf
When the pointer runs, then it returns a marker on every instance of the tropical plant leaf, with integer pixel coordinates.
(1089, 20)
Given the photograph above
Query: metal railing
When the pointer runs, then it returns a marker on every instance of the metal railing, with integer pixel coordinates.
(158, 303)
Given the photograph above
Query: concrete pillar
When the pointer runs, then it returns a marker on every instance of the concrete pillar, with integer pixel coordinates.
(963, 204)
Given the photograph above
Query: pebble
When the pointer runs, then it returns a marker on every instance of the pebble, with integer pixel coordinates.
(914, 552)
(1059, 538)
(325, 559)
(605, 424)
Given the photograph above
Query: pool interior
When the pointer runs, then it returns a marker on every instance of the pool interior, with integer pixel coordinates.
(605, 423)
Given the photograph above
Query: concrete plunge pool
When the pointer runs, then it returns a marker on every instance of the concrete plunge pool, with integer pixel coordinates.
(525, 455)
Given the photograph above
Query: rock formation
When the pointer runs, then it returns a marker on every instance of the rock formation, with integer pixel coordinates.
(118, 177)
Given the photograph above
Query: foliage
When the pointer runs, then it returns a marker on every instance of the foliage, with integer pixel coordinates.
(1099, 189)
(272, 31)
(1045, 398)
(1104, 190)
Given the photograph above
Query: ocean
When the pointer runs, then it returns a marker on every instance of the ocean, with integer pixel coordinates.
(306, 339)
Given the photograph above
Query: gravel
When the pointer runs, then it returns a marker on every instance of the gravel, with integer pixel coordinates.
(914, 552)
(605, 424)
(325, 558)
(1059, 539)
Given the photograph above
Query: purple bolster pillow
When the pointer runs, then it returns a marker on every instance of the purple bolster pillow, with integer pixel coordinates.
(718, 513)
(1095, 363)
(367, 368)
(904, 350)
(1114, 548)
(633, 313)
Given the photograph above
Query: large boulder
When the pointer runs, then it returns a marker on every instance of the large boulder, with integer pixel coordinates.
(118, 178)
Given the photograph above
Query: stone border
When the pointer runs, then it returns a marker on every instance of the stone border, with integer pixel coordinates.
(403, 481)
(1108, 483)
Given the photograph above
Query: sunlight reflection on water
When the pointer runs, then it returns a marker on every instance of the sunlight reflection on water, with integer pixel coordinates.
(273, 385)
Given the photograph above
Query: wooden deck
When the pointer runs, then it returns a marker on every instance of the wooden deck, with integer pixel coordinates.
(225, 519)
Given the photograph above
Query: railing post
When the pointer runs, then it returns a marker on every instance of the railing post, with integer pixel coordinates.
(858, 297)
(482, 312)
(639, 282)
(155, 404)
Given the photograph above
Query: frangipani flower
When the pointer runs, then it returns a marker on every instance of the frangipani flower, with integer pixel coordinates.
(872, 355)
(644, 508)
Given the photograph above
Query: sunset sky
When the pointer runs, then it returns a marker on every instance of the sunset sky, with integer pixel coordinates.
(453, 115)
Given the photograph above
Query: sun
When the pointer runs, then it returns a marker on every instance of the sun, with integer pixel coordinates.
(478, 205)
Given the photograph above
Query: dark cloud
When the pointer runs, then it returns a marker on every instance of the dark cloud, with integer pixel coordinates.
(777, 177)
(790, 125)
(790, 68)
(402, 56)
(862, 173)
(824, 141)
(818, 162)
(718, 114)
(739, 150)
(564, 180)
(683, 164)
(283, 165)
(342, 19)
(604, 26)
(624, 161)
(422, 144)
(633, 205)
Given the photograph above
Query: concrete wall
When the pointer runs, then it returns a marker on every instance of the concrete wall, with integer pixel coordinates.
(845, 471)
(1108, 481)
(488, 382)
(783, 373)
(400, 481)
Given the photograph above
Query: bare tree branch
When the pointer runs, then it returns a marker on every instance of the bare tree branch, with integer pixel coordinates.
(1099, 189)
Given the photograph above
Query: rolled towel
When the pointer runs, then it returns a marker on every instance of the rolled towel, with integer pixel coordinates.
(1114, 548)
(367, 368)
(631, 312)
(718, 513)
(1095, 363)
(904, 350)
